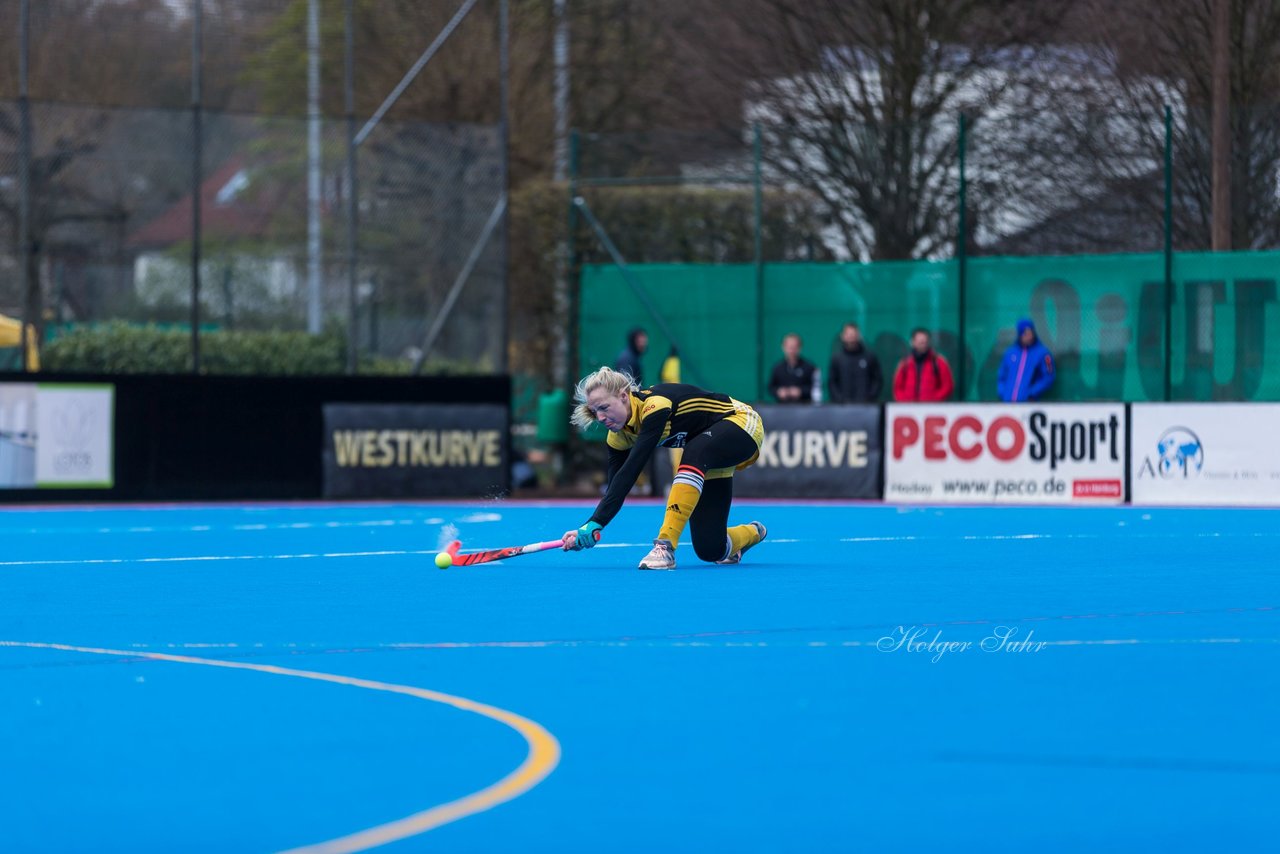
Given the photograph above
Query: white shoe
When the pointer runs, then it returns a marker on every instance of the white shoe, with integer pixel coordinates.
(663, 556)
(737, 556)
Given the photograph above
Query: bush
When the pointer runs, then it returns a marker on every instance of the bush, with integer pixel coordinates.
(119, 348)
(122, 348)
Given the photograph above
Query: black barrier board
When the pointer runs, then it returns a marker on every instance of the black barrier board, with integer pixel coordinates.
(415, 450)
(816, 452)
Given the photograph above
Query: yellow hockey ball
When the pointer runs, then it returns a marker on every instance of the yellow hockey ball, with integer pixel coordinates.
(444, 560)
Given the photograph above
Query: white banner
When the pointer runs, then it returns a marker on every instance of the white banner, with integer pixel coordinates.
(1205, 453)
(74, 432)
(1005, 453)
(17, 435)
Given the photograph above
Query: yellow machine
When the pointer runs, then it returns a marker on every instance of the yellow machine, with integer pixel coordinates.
(11, 336)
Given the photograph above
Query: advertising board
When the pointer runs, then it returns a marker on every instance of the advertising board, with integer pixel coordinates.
(56, 436)
(1005, 453)
(1205, 453)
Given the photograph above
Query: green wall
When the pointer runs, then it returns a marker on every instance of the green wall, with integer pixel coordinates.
(1102, 316)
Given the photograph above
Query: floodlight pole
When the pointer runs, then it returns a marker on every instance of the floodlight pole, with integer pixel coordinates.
(561, 53)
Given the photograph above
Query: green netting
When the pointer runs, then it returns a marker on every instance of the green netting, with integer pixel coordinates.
(1226, 326)
(1085, 308)
(710, 309)
(886, 300)
(1102, 316)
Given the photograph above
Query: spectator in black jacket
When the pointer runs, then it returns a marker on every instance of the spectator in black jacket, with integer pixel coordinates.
(794, 378)
(628, 360)
(855, 371)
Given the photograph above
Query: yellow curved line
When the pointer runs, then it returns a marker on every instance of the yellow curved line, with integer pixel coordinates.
(543, 756)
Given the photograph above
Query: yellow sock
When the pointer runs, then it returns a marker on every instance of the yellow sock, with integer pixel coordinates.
(741, 536)
(683, 497)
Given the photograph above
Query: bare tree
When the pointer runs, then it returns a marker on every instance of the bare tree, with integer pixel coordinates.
(1168, 45)
(85, 181)
(1087, 159)
(859, 102)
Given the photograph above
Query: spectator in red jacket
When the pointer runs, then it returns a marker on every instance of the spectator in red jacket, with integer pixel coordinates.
(922, 374)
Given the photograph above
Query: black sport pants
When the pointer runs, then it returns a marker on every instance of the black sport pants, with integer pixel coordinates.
(724, 445)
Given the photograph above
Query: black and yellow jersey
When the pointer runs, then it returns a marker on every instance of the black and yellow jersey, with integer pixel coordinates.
(666, 414)
(685, 410)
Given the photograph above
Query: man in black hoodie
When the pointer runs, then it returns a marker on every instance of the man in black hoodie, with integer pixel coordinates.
(855, 371)
(794, 378)
(628, 360)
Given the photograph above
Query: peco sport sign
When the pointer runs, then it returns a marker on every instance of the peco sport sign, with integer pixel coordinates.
(816, 452)
(1024, 453)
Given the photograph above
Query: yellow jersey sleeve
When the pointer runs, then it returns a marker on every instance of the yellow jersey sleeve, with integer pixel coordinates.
(621, 441)
(654, 403)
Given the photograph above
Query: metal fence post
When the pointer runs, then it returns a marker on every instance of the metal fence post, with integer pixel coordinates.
(962, 260)
(504, 136)
(197, 156)
(353, 208)
(315, 308)
(574, 300)
(24, 179)
(560, 104)
(1168, 252)
(758, 258)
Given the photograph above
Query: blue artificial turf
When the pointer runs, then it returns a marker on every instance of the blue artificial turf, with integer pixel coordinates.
(763, 707)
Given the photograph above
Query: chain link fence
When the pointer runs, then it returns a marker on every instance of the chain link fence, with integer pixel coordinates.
(123, 197)
(1094, 226)
(1012, 183)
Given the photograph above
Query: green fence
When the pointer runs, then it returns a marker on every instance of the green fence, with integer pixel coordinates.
(1104, 317)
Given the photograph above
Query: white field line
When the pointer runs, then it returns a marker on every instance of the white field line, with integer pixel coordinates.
(666, 643)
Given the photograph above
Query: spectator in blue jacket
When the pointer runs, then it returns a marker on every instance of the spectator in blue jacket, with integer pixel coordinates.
(1026, 370)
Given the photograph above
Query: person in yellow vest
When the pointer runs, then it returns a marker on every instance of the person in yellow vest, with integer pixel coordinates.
(719, 435)
(670, 372)
(11, 336)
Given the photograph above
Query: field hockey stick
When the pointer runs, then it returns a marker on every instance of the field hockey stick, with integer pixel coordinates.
(501, 554)
(510, 551)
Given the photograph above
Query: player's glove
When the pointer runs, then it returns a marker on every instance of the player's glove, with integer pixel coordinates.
(587, 536)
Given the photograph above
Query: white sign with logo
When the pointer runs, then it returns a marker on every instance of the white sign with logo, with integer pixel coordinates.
(1005, 453)
(17, 435)
(74, 426)
(1205, 453)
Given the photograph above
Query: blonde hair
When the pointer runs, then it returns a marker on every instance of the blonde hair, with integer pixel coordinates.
(614, 382)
